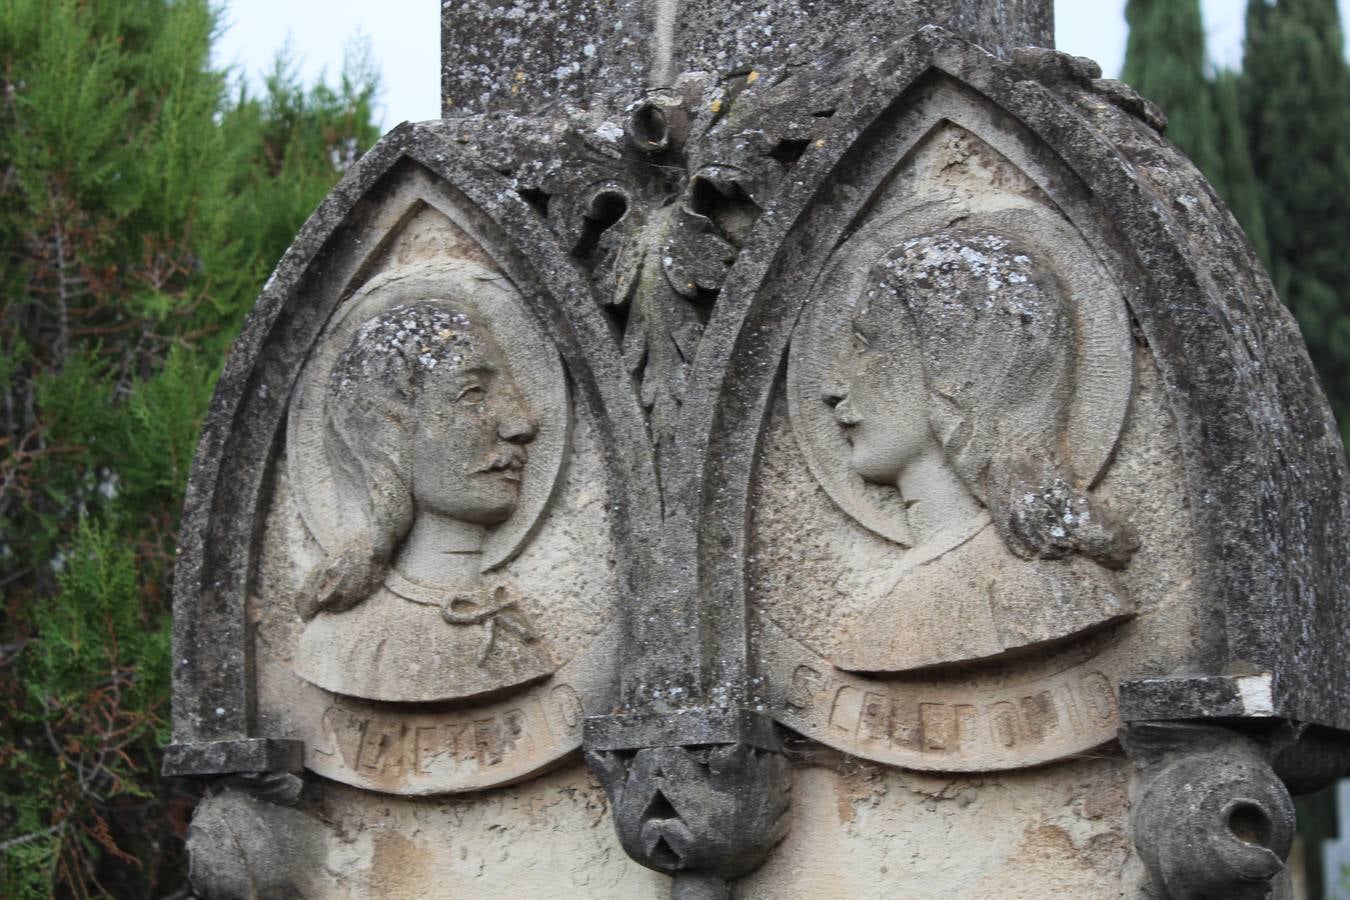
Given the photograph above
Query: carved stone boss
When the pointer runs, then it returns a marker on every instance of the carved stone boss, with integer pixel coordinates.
(923, 404)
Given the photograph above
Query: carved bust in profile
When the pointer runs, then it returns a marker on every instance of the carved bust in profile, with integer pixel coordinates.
(426, 434)
(956, 394)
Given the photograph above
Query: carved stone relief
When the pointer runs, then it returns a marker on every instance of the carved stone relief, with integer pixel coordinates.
(951, 377)
(422, 456)
(433, 597)
(957, 386)
(772, 427)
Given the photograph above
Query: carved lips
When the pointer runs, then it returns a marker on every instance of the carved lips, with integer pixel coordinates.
(506, 463)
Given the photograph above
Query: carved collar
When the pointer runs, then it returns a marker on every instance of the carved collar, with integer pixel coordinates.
(943, 542)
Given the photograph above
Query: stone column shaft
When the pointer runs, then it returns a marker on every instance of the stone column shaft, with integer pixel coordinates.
(531, 56)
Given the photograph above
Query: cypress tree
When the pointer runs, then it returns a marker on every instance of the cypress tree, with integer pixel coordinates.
(1165, 61)
(1235, 179)
(141, 206)
(1295, 94)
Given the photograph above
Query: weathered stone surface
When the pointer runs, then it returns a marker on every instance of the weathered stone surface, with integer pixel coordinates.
(1211, 818)
(856, 831)
(1207, 697)
(550, 837)
(821, 427)
(606, 54)
(872, 833)
(685, 728)
(231, 757)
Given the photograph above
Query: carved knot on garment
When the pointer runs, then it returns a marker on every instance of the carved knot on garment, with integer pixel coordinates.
(494, 610)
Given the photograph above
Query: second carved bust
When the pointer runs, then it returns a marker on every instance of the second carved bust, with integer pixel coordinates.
(956, 393)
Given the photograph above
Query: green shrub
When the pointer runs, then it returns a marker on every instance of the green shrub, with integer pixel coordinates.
(143, 200)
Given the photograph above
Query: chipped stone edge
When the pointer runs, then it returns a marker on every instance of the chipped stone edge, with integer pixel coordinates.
(1201, 697)
(231, 757)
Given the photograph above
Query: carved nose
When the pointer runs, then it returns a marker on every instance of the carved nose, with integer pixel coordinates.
(517, 428)
(836, 398)
(515, 425)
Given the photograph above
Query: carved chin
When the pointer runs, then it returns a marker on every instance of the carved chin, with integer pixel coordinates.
(491, 501)
(877, 468)
(500, 500)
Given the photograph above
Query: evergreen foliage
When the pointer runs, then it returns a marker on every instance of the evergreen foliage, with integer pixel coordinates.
(1234, 177)
(142, 203)
(1295, 93)
(1273, 141)
(1165, 61)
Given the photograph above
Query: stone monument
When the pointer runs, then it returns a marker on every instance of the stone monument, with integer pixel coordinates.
(764, 450)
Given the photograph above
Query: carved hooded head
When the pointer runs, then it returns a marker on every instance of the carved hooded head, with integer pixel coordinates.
(963, 338)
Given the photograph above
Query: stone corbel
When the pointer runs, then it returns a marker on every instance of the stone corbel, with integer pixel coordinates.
(248, 838)
(700, 795)
(1213, 814)
(1211, 818)
(252, 837)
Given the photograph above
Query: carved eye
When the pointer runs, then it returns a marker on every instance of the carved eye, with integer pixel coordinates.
(860, 341)
(471, 393)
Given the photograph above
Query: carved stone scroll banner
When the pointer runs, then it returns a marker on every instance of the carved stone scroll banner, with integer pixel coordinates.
(763, 452)
(1011, 717)
(437, 752)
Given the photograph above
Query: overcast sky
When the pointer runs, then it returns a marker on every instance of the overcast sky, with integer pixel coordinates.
(404, 36)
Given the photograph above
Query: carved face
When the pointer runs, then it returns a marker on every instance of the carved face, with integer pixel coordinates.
(423, 402)
(472, 429)
(881, 402)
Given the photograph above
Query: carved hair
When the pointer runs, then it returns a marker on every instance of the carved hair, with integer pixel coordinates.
(370, 419)
(999, 350)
